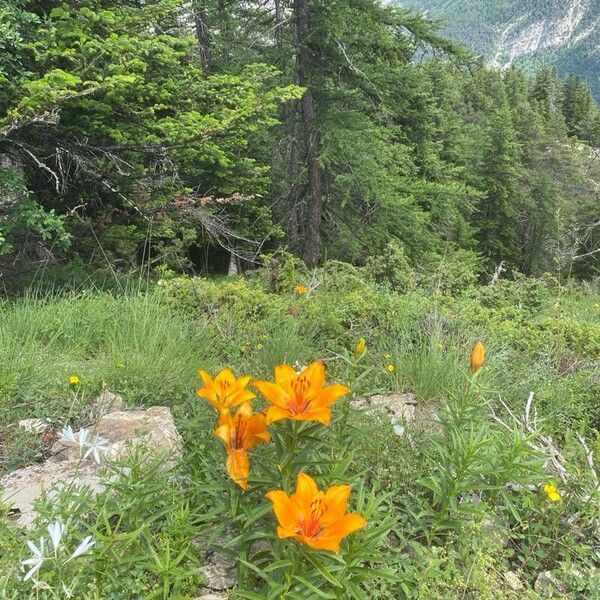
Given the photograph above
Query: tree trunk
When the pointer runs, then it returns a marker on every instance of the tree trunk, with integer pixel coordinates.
(234, 267)
(314, 193)
(202, 34)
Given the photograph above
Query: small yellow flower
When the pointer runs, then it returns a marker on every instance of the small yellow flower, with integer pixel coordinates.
(477, 357)
(552, 492)
(74, 380)
(300, 289)
(390, 368)
(259, 346)
(360, 347)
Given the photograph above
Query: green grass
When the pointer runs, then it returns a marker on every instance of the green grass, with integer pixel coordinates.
(132, 344)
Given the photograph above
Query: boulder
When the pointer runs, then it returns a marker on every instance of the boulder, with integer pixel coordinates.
(513, 581)
(21, 488)
(401, 409)
(152, 429)
(34, 425)
(398, 407)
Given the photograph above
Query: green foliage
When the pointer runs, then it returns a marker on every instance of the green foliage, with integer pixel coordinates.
(26, 216)
(392, 269)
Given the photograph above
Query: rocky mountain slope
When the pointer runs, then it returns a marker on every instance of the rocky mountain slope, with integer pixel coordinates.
(526, 32)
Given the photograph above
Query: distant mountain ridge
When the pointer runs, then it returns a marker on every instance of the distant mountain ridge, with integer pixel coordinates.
(525, 32)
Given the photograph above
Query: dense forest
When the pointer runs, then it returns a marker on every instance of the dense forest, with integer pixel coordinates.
(198, 134)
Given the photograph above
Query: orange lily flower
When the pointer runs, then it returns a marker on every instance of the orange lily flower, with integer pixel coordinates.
(315, 518)
(241, 433)
(225, 391)
(300, 396)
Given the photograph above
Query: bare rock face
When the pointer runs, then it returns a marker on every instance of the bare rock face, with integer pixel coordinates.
(219, 573)
(21, 488)
(513, 581)
(399, 407)
(124, 430)
(152, 429)
(34, 425)
(218, 570)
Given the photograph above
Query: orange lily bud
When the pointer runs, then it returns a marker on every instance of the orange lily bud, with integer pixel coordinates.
(477, 357)
(360, 347)
(317, 519)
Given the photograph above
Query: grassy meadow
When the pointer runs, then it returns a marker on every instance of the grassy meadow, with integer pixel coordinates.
(462, 503)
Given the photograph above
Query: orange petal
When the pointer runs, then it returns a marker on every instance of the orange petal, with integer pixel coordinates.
(238, 467)
(319, 543)
(330, 394)
(336, 501)
(283, 509)
(315, 373)
(283, 533)
(256, 432)
(306, 489)
(272, 392)
(323, 415)
(284, 374)
(224, 433)
(345, 526)
(242, 382)
(244, 410)
(208, 393)
(239, 397)
(206, 378)
(276, 413)
(225, 375)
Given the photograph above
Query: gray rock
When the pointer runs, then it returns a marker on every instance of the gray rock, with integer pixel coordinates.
(402, 411)
(398, 407)
(34, 425)
(495, 529)
(219, 572)
(513, 581)
(208, 595)
(21, 488)
(152, 429)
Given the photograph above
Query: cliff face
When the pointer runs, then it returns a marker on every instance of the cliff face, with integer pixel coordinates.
(565, 33)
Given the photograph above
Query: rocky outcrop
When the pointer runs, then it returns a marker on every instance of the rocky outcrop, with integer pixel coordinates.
(401, 410)
(151, 431)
